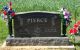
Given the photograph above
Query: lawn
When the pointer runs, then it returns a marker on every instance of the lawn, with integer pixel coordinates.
(3, 31)
(40, 5)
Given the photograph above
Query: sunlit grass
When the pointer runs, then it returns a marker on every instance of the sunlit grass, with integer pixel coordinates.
(77, 47)
(3, 30)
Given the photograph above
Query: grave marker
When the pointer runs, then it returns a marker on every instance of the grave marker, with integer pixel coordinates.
(37, 24)
(37, 29)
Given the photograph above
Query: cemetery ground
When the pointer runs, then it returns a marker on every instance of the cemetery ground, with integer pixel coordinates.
(49, 6)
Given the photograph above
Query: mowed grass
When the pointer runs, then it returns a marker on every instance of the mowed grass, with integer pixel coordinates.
(77, 47)
(43, 5)
(3, 31)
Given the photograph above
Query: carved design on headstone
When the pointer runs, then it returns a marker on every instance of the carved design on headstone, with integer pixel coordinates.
(20, 20)
(27, 32)
(52, 21)
(37, 30)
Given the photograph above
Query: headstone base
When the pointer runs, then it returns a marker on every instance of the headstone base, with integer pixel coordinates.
(38, 41)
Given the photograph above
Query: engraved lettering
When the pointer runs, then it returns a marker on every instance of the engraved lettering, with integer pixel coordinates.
(36, 20)
(39, 20)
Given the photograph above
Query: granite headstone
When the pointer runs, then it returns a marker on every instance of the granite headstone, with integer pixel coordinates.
(37, 24)
(37, 29)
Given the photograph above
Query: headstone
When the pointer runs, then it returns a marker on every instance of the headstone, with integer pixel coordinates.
(37, 24)
(37, 29)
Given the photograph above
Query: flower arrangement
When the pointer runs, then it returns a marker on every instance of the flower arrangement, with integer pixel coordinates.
(8, 9)
(74, 30)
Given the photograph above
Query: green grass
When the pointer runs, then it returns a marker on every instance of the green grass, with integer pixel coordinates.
(3, 31)
(77, 47)
(45, 5)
